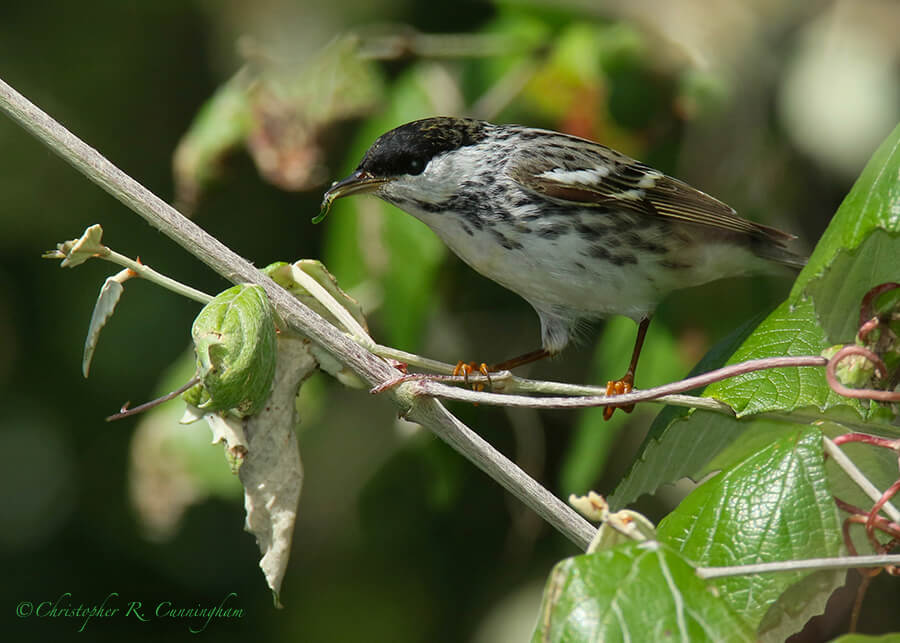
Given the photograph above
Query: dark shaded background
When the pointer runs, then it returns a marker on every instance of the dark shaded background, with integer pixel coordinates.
(399, 538)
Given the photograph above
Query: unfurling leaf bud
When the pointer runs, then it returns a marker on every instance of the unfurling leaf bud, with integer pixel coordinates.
(234, 338)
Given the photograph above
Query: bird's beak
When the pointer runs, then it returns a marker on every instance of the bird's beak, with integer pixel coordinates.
(359, 181)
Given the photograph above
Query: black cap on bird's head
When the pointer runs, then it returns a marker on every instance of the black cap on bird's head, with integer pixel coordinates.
(408, 148)
(405, 150)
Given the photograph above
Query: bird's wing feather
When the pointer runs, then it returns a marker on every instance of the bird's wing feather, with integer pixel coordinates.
(589, 174)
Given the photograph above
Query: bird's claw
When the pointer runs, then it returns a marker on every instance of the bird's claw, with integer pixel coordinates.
(467, 368)
(618, 387)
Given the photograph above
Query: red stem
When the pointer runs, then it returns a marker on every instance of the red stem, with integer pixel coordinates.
(865, 438)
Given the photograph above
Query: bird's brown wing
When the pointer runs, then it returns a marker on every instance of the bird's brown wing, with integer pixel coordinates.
(581, 172)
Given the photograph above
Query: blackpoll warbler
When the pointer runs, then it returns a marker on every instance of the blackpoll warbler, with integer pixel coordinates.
(577, 229)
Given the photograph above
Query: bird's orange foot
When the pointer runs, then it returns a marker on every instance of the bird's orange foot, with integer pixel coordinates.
(467, 368)
(618, 387)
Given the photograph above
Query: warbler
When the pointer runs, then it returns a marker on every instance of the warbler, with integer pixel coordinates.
(575, 228)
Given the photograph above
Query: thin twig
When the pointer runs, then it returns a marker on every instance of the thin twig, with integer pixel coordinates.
(372, 369)
(125, 411)
(844, 562)
(146, 272)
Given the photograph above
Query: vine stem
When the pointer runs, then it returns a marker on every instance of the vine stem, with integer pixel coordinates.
(372, 369)
(426, 385)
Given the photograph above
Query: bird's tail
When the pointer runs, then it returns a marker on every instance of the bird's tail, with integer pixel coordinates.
(780, 254)
(769, 243)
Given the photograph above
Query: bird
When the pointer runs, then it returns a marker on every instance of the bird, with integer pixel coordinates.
(577, 229)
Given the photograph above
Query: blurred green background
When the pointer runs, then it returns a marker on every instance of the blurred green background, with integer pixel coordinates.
(773, 107)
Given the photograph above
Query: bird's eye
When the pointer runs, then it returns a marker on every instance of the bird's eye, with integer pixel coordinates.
(416, 166)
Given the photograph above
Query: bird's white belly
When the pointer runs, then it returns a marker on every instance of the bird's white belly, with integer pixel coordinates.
(554, 275)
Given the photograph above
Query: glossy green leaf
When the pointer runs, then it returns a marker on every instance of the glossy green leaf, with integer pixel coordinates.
(774, 505)
(790, 330)
(857, 251)
(686, 449)
(634, 592)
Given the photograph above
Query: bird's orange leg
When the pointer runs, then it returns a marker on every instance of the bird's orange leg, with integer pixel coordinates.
(521, 360)
(626, 383)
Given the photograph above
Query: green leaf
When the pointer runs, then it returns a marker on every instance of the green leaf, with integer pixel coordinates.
(799, 603)
(689, 444)
(109, 296)
(637, 592)
(75, 252)
(774, 505)
(416, 255)
(857, 252)
(295, 278)
(791, 330)
(234, 337)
